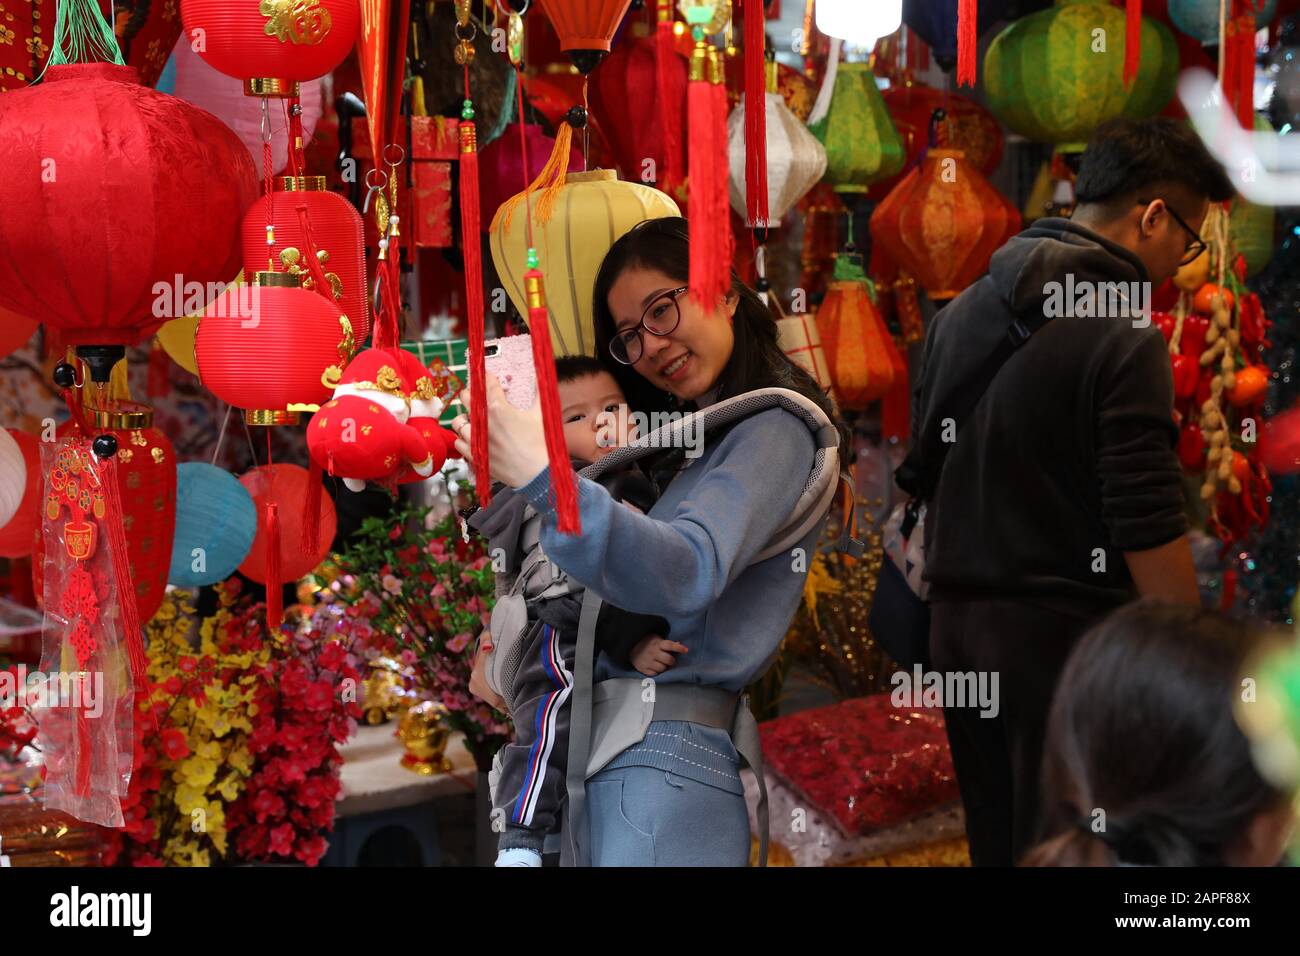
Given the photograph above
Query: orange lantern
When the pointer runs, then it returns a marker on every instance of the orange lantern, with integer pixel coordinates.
(943, 222)
(585, 28)
(859, 351)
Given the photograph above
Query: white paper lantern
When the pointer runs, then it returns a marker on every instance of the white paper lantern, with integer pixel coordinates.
(13, 477)
(858, 22)
(796, 160)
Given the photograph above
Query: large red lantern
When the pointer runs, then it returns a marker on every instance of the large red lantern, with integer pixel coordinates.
(112, 191)
(859, 351)
(274, 44)
(336, 229)
(585, 27)
(146, 474)
(636, 135)
(265, 347)
(943, 222)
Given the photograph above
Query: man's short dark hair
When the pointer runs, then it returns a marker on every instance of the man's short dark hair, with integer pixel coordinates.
(570, 367)
(1126, 158)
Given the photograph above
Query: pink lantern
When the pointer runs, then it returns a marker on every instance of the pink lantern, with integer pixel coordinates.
(501, 173)
(223, 97)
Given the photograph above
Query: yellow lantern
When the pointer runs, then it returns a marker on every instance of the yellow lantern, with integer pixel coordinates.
(587, 214)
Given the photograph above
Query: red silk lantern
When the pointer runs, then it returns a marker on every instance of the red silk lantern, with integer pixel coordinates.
(113, 189)
(336, 229)
(273, 44)
(18, 536)
(585, 27)
(501, 172)
(968, 126)
(264, 348)
(861, 355)
(943, 222)
(287, 486)
(15, 330)
(636, 135)
(146, 474)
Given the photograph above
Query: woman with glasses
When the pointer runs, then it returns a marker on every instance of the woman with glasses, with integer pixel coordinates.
(675, 798)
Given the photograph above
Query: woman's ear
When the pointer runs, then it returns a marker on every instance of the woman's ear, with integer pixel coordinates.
(730, 302)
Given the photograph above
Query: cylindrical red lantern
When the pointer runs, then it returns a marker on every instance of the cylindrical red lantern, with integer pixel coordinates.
(112, 191)
(501, 173)
(861, 355)
(287, 486)
(18, 536)
(585, 27)
(943, 222)
(265, 347)
(146, 474)
(275, 44)
(336, 228)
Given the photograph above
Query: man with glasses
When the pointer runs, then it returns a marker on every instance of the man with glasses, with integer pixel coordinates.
(1060, 496)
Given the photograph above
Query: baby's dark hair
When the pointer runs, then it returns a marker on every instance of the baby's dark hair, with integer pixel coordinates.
(570, 367)
(1144, 762)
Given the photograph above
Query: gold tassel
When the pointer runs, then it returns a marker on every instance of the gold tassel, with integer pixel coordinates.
(550, 181)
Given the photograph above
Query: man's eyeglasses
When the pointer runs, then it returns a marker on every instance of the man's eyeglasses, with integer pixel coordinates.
(1197, 244)
(661, 317)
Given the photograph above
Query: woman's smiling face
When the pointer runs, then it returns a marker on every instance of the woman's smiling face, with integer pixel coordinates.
(688, 360)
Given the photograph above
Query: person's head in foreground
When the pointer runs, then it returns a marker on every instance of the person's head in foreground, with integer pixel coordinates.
(1147, 185)
(592, 408)
(1144, 763)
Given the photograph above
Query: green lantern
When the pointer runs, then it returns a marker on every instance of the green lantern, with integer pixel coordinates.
(1056, 75)
(1250, 226)
(862, 145)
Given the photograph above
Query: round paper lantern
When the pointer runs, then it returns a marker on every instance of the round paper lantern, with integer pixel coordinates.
(935, 22)
(223, 97)
(17, 535)
(592, 211)
(337, 229)
(943, 222)
(273, 44)
(858, 349)
(634, 135)
(15, 331)
(1044, 79)
(111, 189)
(287, 486)
(13, 477)
(1251, 228)
(585, 27)
(1199, 19)
(796, 161)
(265, 347)
(967, 126)
(862, 145)
(216, 522)
(501, 172)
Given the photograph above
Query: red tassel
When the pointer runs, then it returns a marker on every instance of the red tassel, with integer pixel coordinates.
(700, 119)
(386, 333)
(310, 543)
(967, 41)
(670, 91)
(274, 586)
(723, 238)
(473, 252)
(563, 486)
(1132, 40)
(755, 116)
(122, 568)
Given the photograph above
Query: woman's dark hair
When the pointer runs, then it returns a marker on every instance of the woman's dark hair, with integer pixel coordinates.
(756, 359)
(1126, 158)
(1142, 730)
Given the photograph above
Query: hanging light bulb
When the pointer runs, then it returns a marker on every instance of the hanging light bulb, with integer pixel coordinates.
(860, 24)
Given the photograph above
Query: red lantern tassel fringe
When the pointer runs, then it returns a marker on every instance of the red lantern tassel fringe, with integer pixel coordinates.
(722, 235)
(670, 94)
(707, 262)
(967, 41)
(1132, 40)
(122, 570)
(1239, 63)
(274, 586)
(310, 542)
(755, 116)
(473, 252)
(563, 486)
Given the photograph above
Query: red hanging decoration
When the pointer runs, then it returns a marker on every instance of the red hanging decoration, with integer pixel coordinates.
(473, 246)
(967, 41)
(755, 113)
(670, 78)
(1238, 76)
(710, 215)
(1132, 40)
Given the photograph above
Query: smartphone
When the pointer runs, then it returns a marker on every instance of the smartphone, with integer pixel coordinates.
(510, 359)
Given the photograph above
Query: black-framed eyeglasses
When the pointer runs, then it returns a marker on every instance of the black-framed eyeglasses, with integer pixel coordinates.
(1196, 246)
(661, 317)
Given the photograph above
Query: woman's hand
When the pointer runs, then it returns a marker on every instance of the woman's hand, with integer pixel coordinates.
(478, 685)
(516, 439)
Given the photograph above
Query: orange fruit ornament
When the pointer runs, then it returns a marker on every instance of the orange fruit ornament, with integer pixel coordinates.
(1251, 383)
(1204, 300)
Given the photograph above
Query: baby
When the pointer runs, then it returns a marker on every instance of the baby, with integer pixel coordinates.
(532, 768)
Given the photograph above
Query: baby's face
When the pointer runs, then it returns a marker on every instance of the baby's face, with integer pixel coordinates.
(595, 416)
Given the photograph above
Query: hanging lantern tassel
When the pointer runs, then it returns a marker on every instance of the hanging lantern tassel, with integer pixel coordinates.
(670, 94)
(563, 487)
(1238, 76)
(700, 116)
(469, 230)
(274, 586)
(1132, 40)
(755, 115)
(967, 41)
(720, 217)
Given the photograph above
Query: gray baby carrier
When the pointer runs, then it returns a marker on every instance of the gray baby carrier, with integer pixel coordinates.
(615, 714)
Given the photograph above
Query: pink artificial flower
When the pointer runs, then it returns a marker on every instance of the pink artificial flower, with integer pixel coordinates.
(459, 642)
(392, 584)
